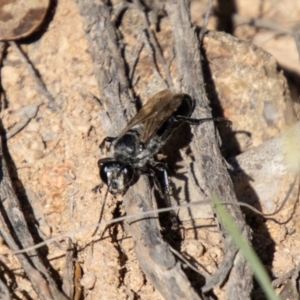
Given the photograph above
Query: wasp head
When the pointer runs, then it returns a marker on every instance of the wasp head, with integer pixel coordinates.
(116, 175)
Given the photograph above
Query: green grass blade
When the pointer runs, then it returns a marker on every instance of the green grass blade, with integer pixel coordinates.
(259, 271)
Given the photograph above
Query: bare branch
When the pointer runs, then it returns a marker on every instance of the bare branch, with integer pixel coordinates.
(41, 87)
(161, 265)
(154, 43)
(4, 294)
(13, 213)
(213, 177)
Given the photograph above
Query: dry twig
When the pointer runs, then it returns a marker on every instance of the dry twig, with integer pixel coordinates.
(12, 218)
(154, 43)
(214, 178)
(4, 294)
(261, 23)
(140, 216)
(68, 277)
(41, 87)
(27, 113)
(154, 256)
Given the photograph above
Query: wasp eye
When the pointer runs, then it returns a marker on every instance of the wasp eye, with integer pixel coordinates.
(103, 173)
(128, 174)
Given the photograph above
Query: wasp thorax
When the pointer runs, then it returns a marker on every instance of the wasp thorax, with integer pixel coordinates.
(128, 143)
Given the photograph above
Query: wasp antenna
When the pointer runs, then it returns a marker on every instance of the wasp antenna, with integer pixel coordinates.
(101, 213)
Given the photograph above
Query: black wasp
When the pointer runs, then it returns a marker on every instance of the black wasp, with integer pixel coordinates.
(135, 147)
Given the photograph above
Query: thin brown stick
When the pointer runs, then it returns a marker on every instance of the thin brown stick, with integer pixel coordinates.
(135, 56)
(27, 113)
(41, 87)
(261, 23)
(151, 54)
(154, 255)
(188, 263)
(205, 21)
(156, 260)
(11, 212)
(154, 43)
(38, 282)
(141, 215)
(278, 281)
(4, 294)
(68, 277)
(296, 35)
(77, 278)
(3, 47)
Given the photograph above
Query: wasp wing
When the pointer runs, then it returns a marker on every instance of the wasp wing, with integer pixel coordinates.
(154, 113)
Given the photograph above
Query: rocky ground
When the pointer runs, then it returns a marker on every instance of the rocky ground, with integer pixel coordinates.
(252, 79)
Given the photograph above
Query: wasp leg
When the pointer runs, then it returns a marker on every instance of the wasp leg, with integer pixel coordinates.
(163, 168)
(173, 216)
(200, 121)
(156, 182)
(166, 195)
(109, 140)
